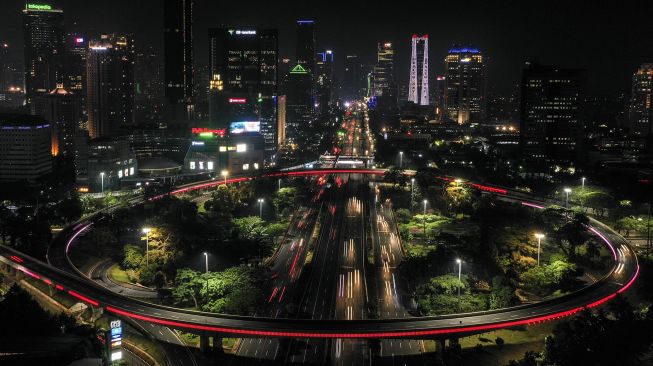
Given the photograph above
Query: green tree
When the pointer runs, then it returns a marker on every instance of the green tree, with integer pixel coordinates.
(284, 200)
(250, 227)
(188, 284)
(132, 257)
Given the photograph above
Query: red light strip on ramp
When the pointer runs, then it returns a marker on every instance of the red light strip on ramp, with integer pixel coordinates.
(83, 298)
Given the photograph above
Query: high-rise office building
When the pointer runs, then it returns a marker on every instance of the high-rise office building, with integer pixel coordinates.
(384, 87)
(61, 109)
(12, 94)
(418, 89)
(178, 59)
(324, 83)
(305, 50)
(148, 87)
(244, 67)
(75, 71)
(43, 32)
(299, 104)
(640, 114)
(353, 81)
(551, 123)
(110, 85)
(464, 94)
(25, 148)
(438, 97)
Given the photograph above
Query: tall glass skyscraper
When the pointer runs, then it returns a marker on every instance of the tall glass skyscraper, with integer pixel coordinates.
(464, 94)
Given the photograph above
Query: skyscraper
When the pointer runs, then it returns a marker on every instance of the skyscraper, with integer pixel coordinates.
(178, 59)
(61, 109)
(640, 114)
(324, 81)
(75, 70)
(110, 85)
(353, 79)
(551, 122)
(148, 86)
(244, 66)
(384, 87)
(43, 32)
(418, 89)
(299, 104)
(305, 50)
(464, 95)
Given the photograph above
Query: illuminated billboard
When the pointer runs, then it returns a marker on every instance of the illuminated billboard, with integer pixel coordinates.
(208, 132)
(244, 127)
(237, 100)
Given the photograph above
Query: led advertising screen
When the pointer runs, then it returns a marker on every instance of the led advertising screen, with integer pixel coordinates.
(244, 127)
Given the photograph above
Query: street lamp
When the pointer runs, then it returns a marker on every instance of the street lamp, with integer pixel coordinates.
(567, 191)
(460, 270)
(260, 207)
(401, 159)
(412, 184)
(582, 197)
(225, 173)
(279, 184)
(147, 230)
(539, 237)
(424, 221)
(206, 261)
(102, 178)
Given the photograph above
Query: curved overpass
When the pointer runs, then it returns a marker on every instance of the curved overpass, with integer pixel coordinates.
(622, 275)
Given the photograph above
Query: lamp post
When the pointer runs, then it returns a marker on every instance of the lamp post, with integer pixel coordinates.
(412, 197)
(401, 159)
(206, 262)
(102, 179)
(460, 271)
(225, 173)
(539, 237)
(424, 221)
(582, 190)
(147, 230)
(260, 207)
(279, 184)
(567, 191)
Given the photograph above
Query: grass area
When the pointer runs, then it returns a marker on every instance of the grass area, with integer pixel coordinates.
(118, 274)
(228, 342)
(149, 346)
(189, 339)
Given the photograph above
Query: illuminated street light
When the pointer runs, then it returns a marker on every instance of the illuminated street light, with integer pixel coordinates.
(582, 182)
(567, 191)
(146, 231)
(412, 184)
(460, 271)
(401, 159)
(539, 237)
(225, 173)
(102, 177)
(260, 207)
(206, 261)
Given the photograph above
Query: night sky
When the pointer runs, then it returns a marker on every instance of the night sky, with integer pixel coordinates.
(608, 38)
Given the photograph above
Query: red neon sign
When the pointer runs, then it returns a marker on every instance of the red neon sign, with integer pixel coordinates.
(237, 100)
(219, 131)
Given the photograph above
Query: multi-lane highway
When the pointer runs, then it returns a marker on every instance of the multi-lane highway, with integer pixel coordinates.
(327, 308)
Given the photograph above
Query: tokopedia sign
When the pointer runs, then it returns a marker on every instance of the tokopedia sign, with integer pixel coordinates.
(38, 7)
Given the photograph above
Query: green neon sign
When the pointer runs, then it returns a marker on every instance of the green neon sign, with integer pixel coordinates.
(38, 7)
(298, 70)
(206, 134)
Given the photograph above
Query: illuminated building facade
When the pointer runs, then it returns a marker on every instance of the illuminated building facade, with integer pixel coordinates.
(641, 105)
(43, 32)
(418, 88)
(110, 85)
(465, 79)
(61, 109)
(324, 81)
(243, 87)
(299, 104)
(75, 79)
(551, 124)
(384, 87)
(178, 59)
(25, 148)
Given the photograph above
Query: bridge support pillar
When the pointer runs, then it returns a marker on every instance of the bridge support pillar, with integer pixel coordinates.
(439, 346)
(204, 343)
(217, 344)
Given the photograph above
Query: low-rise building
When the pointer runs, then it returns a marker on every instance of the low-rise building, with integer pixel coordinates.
(25, 148)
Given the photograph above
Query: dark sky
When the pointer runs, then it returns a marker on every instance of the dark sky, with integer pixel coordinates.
(608, 38)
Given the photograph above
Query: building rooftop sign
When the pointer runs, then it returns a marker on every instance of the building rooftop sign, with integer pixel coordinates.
(298, 70)
(38, 7)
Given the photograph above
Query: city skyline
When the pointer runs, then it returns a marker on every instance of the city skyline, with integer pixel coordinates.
(509, 34)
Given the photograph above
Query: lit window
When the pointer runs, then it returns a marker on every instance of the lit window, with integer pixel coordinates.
(241, 148)
(223, 148)
(192, 165)
(255, 165)
(245, 166)
(131, 171)
(201, 165)
(126, 172)
(119, 173)
(209, 165)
